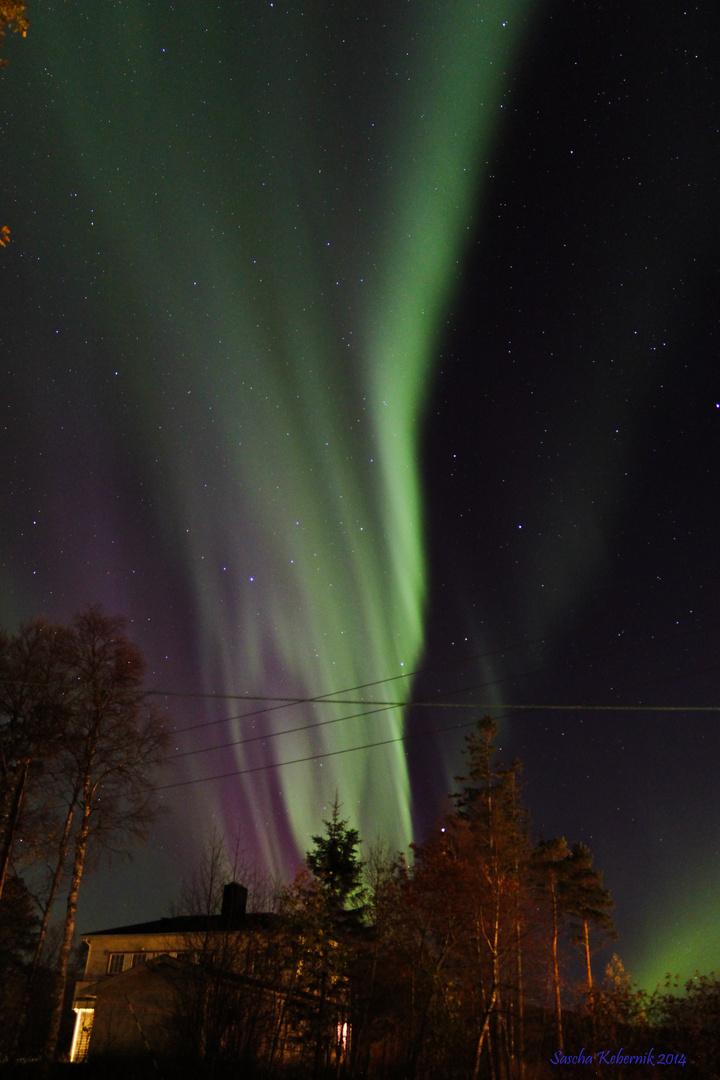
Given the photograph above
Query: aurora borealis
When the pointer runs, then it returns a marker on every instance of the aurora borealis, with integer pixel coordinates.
(340, 342)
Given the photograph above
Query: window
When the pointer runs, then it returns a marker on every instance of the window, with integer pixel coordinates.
(139, 958)
(116, 963)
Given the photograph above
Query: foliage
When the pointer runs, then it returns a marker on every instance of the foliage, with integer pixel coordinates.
(18, 923)
(588, 903)
(34, 717)
(79, 748)
(469, 937)
(115, 743)
(321, 925)
(335, 862)
(691, 1019)
(12, 17)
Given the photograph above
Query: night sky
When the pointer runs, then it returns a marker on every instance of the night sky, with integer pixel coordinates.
(342, 342)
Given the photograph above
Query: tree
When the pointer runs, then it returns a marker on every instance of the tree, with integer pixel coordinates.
(226, 998)
(622, 1009)
(689, 1017)
(115, 743)
(17, 931)
(336, 864)
(551, 860)
(320, 915)
(452, 927)
(495, 856)
(12, 17)
(33, 722)
(587, 902)
(576, 898)
(463, 939)
(379, 991)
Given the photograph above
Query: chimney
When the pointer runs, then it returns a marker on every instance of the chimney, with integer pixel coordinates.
(234, 902)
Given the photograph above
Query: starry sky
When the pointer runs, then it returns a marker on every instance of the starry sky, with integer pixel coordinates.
(369, 352)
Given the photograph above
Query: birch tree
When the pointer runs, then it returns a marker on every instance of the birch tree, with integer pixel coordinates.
(33, 722)
(114, 744)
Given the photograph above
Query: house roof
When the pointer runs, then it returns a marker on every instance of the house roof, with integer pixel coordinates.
(190, 924)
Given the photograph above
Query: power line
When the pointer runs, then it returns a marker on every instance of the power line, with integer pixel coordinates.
(297, 761)
(288, 702)
(331, 697)
(481, 705)
(477, 706)
(276, 734)
(454, 727)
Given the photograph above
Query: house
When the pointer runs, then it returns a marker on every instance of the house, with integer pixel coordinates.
(257, 988)
(138, 979)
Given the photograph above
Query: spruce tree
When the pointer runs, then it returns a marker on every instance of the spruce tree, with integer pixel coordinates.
(335, 862)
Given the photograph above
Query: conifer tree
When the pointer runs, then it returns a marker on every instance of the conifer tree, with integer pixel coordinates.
(551, 860)
(319, 909)
(587, 901)
(336, 864)
(489, 804)
(576, 899)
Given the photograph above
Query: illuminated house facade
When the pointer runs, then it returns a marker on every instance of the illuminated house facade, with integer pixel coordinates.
(232, 987)
(135, 975)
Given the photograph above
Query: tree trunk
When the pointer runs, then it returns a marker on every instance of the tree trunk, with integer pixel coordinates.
(484, 1032)
(47, 914)
(586, 939)
(12, 822)
(69, 930)
(494, 991)
(519, 1046)
(556, 970)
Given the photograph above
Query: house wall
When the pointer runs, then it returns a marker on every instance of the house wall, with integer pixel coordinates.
(133, 1018)
(102, 947)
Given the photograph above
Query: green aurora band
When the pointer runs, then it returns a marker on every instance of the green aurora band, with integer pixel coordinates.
(286, 210)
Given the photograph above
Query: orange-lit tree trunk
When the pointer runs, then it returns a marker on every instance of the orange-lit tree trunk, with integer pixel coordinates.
(587, 902)
(551, 862)
(58, 999)
(49, 902)
(497, 848)
(114, 744)
(555, 964)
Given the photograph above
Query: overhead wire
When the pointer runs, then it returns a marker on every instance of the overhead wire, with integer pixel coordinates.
(504, 708)
(377, 706)
(289, 702)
